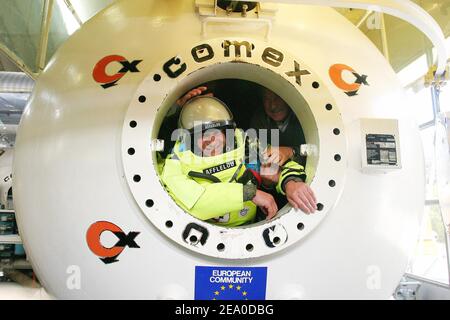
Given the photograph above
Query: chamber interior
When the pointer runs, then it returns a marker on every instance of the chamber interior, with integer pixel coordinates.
(241, 86)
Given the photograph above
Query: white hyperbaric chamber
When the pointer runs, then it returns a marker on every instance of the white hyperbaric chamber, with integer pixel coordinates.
(95, 218)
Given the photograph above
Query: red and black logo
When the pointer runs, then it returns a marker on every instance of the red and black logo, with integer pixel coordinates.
(109, 255)
(99, 73)
(350, 88)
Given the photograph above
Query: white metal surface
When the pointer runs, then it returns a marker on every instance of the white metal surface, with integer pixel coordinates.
(70, 172)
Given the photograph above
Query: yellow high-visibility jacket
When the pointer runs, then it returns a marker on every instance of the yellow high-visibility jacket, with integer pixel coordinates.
(220, 202)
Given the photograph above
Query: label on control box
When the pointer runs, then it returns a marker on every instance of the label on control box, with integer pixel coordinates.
(381, 149)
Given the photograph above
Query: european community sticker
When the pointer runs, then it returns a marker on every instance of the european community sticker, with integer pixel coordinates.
(230, 283)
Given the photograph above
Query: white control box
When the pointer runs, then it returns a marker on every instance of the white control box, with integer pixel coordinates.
(380, 145)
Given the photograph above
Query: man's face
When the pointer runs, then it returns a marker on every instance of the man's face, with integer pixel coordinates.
(274, 106)
(211, 143)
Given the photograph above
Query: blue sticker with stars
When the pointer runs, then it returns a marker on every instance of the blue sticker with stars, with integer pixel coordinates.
(230, 283)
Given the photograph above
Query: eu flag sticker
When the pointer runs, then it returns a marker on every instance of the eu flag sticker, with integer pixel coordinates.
(230, 283)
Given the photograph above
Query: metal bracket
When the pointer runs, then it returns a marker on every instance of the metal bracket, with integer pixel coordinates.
(437, 81)
(308, 150)
(210, 8)
(157, 145)
(212, 13)
(406, 10)
(407, 290)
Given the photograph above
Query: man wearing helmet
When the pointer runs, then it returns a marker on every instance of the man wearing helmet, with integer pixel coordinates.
(207, 174)
(276, 115)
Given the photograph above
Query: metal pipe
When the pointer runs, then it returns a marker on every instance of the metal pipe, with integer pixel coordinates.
(368, 13)
(384, 40)
(73, 11)
(21, 264)
(403, 9)
(18, 264)
(435, 93)
(426, 280)
(45, 29)
(18, 62)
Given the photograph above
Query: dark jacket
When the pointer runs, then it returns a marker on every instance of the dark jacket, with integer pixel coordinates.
(292, 136)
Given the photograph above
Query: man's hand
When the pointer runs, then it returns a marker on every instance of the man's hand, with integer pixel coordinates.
(266, 202)
(301, 196)
(194, 92)
(278, 155)
(270, 174)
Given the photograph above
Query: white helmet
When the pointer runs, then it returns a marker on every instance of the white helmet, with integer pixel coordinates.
(203, 113)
